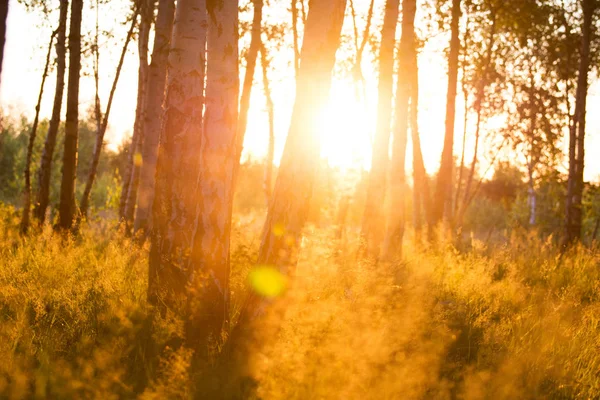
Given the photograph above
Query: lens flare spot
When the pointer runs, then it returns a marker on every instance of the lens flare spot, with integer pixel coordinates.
(137, 160)
(267, 281)
(279, 229)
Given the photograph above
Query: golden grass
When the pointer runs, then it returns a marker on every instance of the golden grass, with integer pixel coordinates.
(514, 320)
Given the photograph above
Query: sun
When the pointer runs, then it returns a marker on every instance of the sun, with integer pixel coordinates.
(346, 128)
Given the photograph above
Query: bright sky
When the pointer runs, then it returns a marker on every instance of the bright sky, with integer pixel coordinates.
(346, 130)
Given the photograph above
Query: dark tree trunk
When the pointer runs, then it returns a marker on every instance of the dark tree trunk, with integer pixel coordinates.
(85, 199)
(173, 221)
(45, 169)
(373, 221)
(32, 136)
(255, 46)
(136, 161)
(444, 179)
(152, 119)
(3, 16)
(69, 172)
(573, 215)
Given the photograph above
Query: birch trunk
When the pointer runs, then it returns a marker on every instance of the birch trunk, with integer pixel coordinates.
(214, 198)
(45, 169)
(67, 187)
(373, 223)
(178, 158)
(268, 182)
(155, 95)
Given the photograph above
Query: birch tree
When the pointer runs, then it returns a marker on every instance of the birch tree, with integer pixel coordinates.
(174, 204)
(155, 95)
(215, 185)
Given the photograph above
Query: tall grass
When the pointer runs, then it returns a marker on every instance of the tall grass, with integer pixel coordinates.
(506, 321)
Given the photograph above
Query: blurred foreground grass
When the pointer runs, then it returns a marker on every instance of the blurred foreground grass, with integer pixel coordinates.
(514, 320)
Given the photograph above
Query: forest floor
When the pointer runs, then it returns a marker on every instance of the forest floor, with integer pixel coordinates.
(469, 321)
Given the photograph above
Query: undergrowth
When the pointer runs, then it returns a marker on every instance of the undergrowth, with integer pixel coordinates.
(492, 321)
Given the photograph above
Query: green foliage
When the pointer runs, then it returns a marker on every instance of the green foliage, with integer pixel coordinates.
(13, 152)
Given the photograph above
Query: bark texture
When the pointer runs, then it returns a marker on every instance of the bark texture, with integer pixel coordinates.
(155, 95)
(45, 169)
(373, 222)
(67, 187)
(178, 158)
(214, 197)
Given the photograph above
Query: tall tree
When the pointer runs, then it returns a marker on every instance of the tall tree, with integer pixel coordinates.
(67, 187)
(155, 94)
(255, 45)
(290, 201)
(146, 16)
(573, 215)
(444, 179)
(101, 129)
(392, 246)
(32, 136)
(45, 169)
(174, 204)
(214, 198)
(373, 222)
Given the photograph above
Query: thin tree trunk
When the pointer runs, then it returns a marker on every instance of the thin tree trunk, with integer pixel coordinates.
(373, 222)
(69, 173)
(214, 198)
(573, 215)
(421, 181)
(32, 135)
(146, 15)
(289, 206)
(85, 198)
(173, 221)
(3, 16)
(255, 46)
(45, 169)
(392, 247)
(295, 36)
(268, 182)
(444, 179)
(155, 95)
